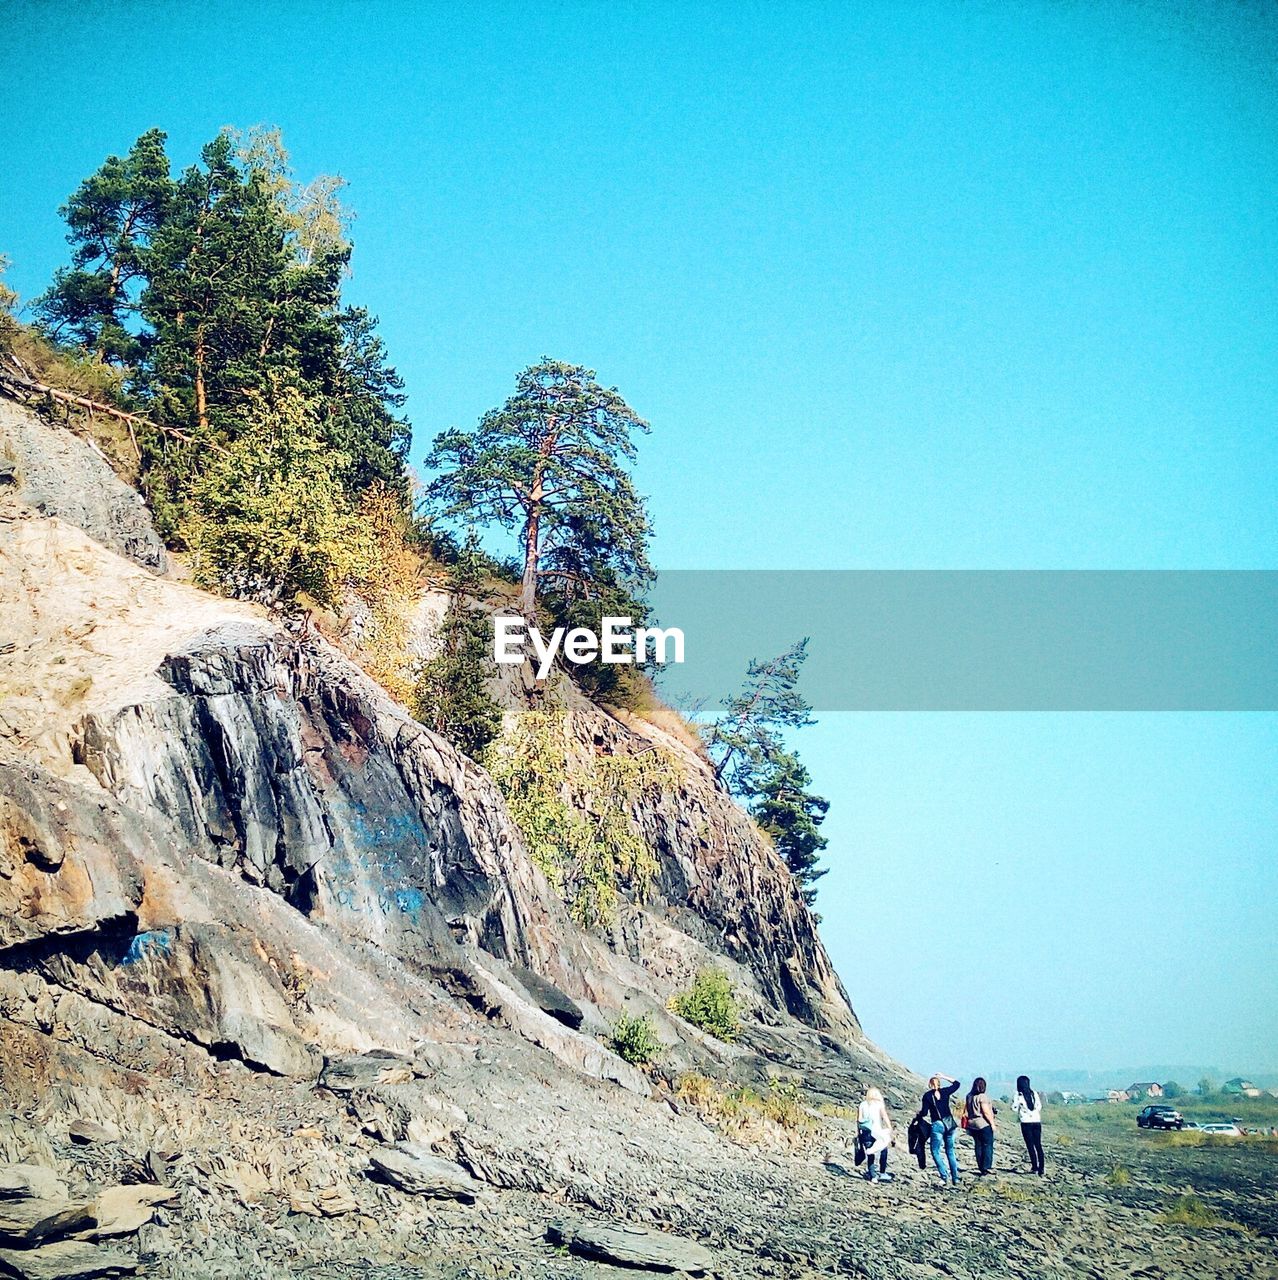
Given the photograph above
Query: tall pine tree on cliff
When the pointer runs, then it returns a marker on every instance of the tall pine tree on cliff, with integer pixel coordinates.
(111, 220)
(750, 757)
(789, 813)
(551, 465)
(745, 742)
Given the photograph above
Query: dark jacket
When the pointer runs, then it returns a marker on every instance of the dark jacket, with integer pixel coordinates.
(917, 1135)
(934, 1108)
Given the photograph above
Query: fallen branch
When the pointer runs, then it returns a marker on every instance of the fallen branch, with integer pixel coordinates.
(17, 383)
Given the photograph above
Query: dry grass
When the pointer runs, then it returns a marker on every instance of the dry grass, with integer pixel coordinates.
(776, 1119)
(41, 361)
(646, 706)
(1190, 1211)
(75, 692)
(1003, 1190)
(837, 1111)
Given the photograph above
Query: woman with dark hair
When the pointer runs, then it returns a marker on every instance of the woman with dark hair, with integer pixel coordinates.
(935, 1112)
(980, 1124)
(1029, 1106)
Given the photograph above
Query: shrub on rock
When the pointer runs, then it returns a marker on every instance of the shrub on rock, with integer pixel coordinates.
(710, 1005)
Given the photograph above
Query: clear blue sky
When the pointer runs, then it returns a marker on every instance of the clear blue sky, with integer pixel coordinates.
(951, 285)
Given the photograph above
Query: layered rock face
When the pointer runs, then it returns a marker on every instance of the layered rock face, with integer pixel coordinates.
(56, 473)
(222, 845)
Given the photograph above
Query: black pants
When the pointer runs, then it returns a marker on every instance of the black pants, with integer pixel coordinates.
(1033, 1135)
(869, 1163)
(983, 1137)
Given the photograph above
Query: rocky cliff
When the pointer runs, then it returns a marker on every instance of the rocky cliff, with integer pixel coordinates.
(235, 874)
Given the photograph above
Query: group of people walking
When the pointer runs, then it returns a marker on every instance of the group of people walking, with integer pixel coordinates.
(934, 1127)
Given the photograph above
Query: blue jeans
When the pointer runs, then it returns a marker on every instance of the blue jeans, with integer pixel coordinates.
(942, 1140)
(984, 1140)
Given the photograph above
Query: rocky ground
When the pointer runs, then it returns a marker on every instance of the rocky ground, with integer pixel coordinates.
(282, 991)
(543, 1180)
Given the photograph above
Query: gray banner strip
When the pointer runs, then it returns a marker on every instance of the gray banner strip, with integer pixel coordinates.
(985, 640)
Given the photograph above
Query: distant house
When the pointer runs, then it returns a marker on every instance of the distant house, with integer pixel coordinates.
(1118, 1095)
(1240, 1088)
(1145, 1089)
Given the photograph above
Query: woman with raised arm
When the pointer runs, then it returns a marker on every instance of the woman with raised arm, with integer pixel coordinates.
(936, 1111)
(1028, 1104)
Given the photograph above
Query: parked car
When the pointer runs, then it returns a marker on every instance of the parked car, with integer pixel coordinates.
(1160, 1117)
(1223, 1128)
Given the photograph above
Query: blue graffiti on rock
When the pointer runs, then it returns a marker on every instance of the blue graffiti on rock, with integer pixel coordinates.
(153, 942)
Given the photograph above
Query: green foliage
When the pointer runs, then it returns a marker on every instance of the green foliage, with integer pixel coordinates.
(745, 742)
(269, 515)
(1190, 1211)
(314, 218)
(451, 694)
(215, 289)
(750, 756)
(1119, 1176)
(111, 220)
(231, 314)
(1172, 1090)
(550, 464)
(790, 815)
(710, 1005)
(635, 1039)
(575, 818)
(364, 400)
(615, 684)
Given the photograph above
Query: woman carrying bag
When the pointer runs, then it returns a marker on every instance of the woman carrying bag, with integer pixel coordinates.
(980, 1124)
(874, 1134)
(936, 1111)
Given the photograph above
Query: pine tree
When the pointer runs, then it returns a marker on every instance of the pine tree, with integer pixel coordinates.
(753, 762)
(364, 399)
(215, 270)
(790, 815)
(233, 315)
(550, 464)
(452, 689)
(269, 517)
(746, 741)
(111, 220)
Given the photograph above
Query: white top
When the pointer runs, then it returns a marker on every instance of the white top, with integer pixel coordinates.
(875, 1115)
(1029, 1115)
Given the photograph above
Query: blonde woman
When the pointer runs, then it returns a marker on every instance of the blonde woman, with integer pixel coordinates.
(874, 1133)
